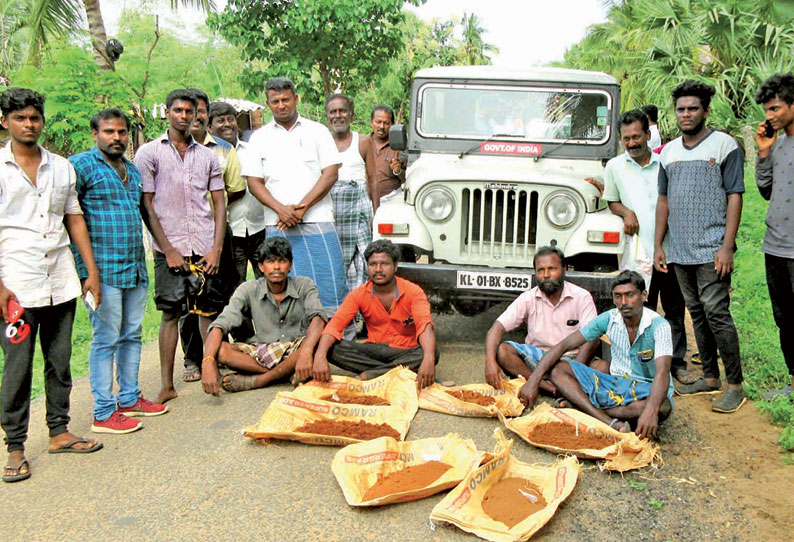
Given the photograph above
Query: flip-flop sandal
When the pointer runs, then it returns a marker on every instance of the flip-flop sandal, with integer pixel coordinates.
(617, 426)
(191, 374)
(68, 448)
(236, 382)
(17, 477)
(696, 359)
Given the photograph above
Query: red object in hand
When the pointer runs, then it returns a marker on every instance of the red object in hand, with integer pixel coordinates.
(14, 311)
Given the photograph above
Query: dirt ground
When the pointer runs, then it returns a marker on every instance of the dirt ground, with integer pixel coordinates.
(191, 475)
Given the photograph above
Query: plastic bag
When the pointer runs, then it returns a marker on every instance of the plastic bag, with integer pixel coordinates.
(620, 451)
(290, 411)
(359, 467)
(634, 258)
(463, 507)
(505, 400)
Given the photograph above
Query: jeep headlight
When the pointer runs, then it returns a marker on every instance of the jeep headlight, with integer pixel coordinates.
(438, 204)
(561, 210)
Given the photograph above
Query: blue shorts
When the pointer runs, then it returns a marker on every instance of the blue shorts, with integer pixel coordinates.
(530, 354)
(608, 391)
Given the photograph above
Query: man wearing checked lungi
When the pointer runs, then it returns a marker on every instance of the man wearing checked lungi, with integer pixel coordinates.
(291, 166)
(287, 319)
(637, 391)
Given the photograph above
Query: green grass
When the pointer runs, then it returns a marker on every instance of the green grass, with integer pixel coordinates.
(81, 339)
(762, 360)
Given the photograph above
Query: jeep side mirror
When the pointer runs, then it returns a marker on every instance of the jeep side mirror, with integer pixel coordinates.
(398, 140)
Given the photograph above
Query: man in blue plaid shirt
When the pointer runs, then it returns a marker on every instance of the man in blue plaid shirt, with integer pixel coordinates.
(109, 189)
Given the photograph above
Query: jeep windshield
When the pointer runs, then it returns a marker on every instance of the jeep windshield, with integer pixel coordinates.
(537, 114)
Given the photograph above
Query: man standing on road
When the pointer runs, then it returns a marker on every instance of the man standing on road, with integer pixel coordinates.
(636, 389)
(291, 166)
(109, 192)
(551, 310)
(188, 232)
(652, 112)
(288, 319)
(189, 334)
(38, 207)
(247, 216)
(399, 327)
(774, 172)
(701, 182)
(351, 193)
(386, 168)
(631, 188)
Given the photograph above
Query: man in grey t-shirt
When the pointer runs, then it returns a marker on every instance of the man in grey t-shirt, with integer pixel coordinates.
(701, 181)
(774, 174)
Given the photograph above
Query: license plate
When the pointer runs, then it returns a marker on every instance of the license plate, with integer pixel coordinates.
(476, 280)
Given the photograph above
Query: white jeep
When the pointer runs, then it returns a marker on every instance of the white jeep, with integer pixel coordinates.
(497, 161)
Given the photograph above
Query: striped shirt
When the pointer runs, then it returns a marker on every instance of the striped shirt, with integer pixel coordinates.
(180, 192)
(636, 360)
(111, 209)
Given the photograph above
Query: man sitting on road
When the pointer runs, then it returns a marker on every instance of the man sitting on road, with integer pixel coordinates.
(551, 310)
(633, 391)
(287, 317)
(397, 316)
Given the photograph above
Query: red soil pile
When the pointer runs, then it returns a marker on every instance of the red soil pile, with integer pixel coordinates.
(359, 430)
(472, 397)
(512, 500)
(355, 399)
(413, 477)
(564, 436)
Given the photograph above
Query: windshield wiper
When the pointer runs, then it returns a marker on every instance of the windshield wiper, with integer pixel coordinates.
(480, 144)
(545, 153)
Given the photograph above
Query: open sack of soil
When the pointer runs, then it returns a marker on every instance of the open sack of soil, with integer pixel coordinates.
(385, 470)
(566, 430)
(397, 388)
(475, 400)
(505, 499)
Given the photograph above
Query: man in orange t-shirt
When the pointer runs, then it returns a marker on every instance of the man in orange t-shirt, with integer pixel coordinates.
(399, 328)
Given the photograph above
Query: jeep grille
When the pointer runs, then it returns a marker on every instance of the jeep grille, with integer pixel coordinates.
(499, 224)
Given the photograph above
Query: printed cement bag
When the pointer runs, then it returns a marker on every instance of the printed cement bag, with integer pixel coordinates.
(397, 388)
(342, 424)
(505, 400)
(385, 470)
(583, 436)
(470, 506)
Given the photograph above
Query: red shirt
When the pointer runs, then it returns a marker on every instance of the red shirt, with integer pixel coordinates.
(400, 328)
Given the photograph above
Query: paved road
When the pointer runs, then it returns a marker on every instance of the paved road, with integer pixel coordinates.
(191, 475)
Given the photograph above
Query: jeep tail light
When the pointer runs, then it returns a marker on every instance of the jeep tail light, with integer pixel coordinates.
(393, 229)
(608, 237)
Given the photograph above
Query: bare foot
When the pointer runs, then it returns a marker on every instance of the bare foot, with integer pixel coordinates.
(63, 439)
(166, 395)
(363, 376)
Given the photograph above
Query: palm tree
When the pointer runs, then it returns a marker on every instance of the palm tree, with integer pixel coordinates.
(475, 50)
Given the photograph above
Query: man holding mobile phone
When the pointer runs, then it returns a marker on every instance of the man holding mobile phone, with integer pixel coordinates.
(39, 212)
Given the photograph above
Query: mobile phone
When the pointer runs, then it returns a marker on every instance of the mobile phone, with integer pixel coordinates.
(14, 311)
(90, 301)
(770, 132)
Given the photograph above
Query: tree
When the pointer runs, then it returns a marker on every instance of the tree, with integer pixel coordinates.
(475, 49)
(322, 44)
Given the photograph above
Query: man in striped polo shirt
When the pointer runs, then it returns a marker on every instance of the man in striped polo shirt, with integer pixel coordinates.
(637, 392)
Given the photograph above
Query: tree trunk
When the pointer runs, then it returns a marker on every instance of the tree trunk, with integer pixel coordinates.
(96, 27)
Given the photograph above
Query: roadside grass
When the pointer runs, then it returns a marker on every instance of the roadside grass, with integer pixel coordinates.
(81, 338)
(762, 360)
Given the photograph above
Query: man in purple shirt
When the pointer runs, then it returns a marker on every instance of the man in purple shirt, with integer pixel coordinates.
(188, 232)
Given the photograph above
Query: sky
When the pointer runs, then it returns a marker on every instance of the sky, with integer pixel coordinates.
(527, 32)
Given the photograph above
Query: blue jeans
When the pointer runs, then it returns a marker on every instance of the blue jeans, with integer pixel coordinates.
(117, 334)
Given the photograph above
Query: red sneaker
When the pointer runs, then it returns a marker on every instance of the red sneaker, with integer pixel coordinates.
(117, 423)
(143, 407)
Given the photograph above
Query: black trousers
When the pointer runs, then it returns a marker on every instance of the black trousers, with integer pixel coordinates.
(244, 250)
(53, 325)
(665, 285)
(780, 280)
(708, 299)
(375, 359)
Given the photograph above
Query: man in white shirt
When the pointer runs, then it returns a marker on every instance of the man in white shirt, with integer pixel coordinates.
(652, 112)
(291, 166)
(39, 212)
